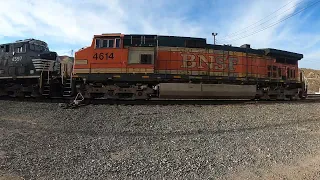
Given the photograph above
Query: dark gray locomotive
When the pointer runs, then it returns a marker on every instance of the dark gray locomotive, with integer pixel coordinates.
(27, 67)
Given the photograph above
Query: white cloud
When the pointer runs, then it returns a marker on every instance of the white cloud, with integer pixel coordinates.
(64, 22)
(70, 23)
(76, 22)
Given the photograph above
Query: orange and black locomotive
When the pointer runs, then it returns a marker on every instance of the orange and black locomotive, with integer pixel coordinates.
(121, 66)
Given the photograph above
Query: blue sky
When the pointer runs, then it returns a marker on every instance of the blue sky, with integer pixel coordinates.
(70, 24)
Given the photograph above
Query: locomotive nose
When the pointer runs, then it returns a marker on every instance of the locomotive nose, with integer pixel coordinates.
(48, 55)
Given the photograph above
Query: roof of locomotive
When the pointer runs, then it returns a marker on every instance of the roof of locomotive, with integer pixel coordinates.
(197, 42)
(282, 53)
(37, 41)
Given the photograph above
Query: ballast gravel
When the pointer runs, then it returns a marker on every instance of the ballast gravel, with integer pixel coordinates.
(253, 141)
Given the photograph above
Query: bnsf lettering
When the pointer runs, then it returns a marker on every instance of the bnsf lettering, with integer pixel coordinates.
(200, 61)
(103, 56)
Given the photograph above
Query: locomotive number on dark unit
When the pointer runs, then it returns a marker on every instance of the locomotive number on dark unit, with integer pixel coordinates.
(102, 56)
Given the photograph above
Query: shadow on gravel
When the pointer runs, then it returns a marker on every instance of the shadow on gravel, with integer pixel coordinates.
(100, 132)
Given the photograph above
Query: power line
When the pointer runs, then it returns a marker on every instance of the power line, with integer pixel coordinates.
(241, 30)
(255, 27)
(255, 32)
(70, 52)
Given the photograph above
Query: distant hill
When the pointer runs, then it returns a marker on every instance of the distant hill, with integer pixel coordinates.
(313, 77)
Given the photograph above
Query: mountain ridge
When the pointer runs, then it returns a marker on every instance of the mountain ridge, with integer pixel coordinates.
(313, 78)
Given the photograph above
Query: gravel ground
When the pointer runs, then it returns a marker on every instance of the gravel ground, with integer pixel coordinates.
(43, 141)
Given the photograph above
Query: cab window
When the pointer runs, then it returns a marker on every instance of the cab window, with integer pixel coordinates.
(97, 43)
(117, 43)
(20, 49)
(39, 48)
(108, 43)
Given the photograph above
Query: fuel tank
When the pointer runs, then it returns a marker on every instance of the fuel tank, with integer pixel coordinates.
(206, 91)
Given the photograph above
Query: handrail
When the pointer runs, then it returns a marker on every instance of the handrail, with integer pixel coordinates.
(48, 79)
(41, 77)
(45, 64)
(62, 73)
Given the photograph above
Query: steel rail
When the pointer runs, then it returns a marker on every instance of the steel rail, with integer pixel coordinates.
(67, 102)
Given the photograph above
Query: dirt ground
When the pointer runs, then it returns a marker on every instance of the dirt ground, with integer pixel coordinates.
(42, 141)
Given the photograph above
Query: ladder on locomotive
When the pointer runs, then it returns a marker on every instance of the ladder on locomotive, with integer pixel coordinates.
(67, 87)
(67, 83)
(45, 81)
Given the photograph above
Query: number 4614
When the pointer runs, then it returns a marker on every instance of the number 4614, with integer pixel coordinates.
(103, 56)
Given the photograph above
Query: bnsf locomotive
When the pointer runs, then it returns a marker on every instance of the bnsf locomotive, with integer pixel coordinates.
(118, 66)
(143, 66)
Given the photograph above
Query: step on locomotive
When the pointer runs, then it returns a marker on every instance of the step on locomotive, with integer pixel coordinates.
(139, 67)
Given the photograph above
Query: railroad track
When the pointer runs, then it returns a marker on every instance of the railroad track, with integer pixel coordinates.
(68, 102)
(313, 95)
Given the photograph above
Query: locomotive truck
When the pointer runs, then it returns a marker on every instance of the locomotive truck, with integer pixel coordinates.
(130, 66)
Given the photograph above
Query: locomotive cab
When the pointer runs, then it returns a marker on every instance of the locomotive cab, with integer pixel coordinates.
(24, 59)
(115, 53)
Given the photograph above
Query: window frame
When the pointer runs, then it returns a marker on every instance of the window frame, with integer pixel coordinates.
(99, 43)
(33, 46)
(21, 49)
(37, 48)
(109, 43)
(7, 48)
(150, 55)
(115, 43)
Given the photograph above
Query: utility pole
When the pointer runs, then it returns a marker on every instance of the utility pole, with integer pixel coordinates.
(214, 38)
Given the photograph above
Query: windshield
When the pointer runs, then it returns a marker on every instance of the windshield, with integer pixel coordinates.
(39, 48)
(37, 45)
